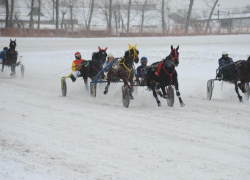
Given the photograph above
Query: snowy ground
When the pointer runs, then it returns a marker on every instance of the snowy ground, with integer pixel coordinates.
(44, 136)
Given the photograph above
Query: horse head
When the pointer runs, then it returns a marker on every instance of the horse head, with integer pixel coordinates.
(132, 54)
(174, 55)
(100, 56)
(12, 44)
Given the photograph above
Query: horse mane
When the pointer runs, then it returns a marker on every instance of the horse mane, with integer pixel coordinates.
(95, 56)
(126, 53)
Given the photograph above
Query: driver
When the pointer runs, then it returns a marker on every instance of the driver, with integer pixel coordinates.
(76, 66)
(225, 59)
(141, 70)
(110, 59)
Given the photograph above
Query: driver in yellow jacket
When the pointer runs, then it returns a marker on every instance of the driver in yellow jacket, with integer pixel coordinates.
(76, 66)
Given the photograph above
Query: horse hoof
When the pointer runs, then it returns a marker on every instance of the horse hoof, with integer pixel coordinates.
(182, 104)
(159, 104)
(105, 92)
(2, 70)
(131, 98)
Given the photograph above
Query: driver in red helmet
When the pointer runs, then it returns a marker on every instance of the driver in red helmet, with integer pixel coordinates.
(76, 66)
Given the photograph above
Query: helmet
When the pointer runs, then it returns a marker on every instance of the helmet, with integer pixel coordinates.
(77, 53)
(144, 59)
(5, 48)
(110, 55)
(224, 53)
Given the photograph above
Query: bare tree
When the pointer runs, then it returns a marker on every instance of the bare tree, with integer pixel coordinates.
(31, 14)
(211, 13)
(12, 2)
(90, 14)
(188, 16)
(39, 14)
(110, 17)
(128, 18)
(106, 8)
(117, 17)
(57, 14)
(7, 13)
(64, 6)
(143, 15)
(163, 22)
(53, 11)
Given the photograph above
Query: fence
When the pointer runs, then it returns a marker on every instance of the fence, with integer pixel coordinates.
(134, 32)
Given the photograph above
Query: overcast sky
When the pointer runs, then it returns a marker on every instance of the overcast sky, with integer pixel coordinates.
(198, 4)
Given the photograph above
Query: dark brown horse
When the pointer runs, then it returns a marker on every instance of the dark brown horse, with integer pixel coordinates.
(125, 70)
(167, 75)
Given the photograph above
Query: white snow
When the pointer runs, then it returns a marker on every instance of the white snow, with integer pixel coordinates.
(45, 136)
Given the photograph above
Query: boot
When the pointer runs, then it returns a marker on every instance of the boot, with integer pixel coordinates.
(72, 77)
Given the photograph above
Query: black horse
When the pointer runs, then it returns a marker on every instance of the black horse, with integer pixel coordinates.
(234, 72)
(167, 75)
(125, 70)
(11, 57)
(90, 68)
(244, 73)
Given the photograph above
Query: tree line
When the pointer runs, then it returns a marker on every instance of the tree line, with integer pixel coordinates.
(115, 13)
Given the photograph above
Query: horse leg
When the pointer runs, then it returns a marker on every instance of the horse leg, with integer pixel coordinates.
(152, 85)
(178, 94)
(85, 81)
(3, 64)
(163, 91)
(108, 79)
(241, 86)
(237, 91)
(106, 88)
(132, 88)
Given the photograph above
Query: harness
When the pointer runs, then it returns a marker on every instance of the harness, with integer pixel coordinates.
(171, 75)
(122, 62)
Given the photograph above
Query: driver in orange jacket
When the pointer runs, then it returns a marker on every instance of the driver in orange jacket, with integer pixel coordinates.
(76, 66)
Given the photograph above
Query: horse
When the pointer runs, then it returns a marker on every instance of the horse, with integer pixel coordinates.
(234, 72)
(244, 73)
(167, 75)
(125, 70)
(11, 57)
(90, 68)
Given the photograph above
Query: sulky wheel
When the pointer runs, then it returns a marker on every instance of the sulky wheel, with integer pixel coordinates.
(93, 90)
(246, 94)
(63, 87)
(125, 96)
(170, 96)
(210, 86)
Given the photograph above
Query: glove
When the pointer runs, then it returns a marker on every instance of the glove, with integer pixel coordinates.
(77, 67)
